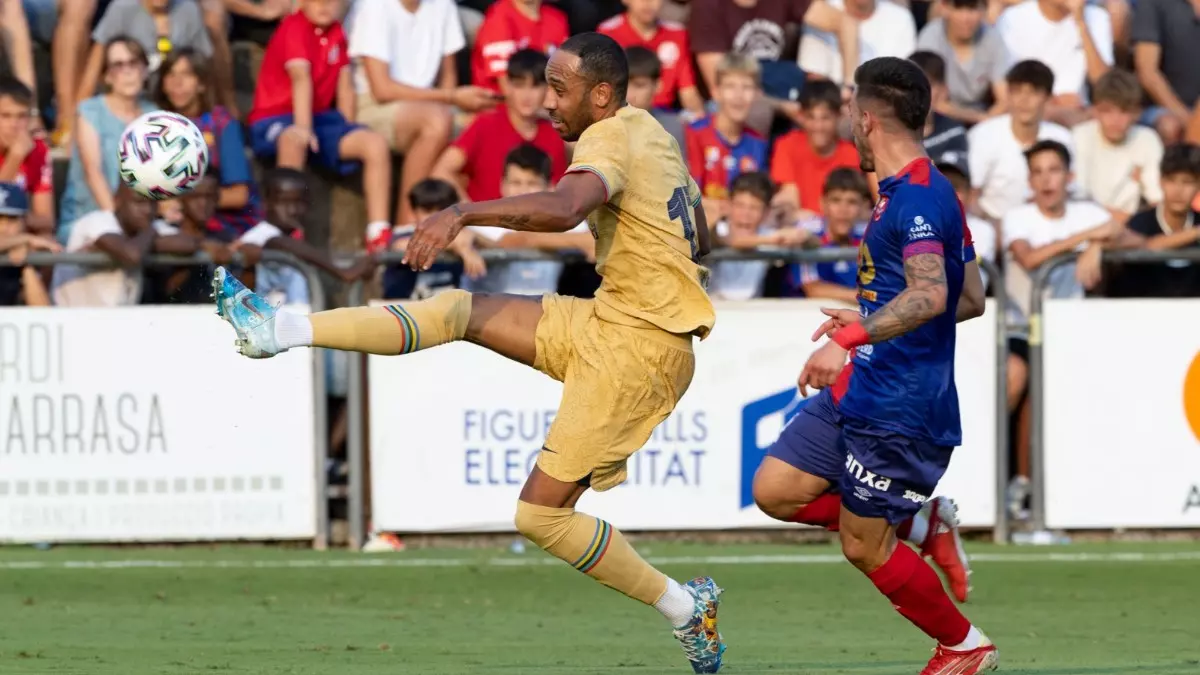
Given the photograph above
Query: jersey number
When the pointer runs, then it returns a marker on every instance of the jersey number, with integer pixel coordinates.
(866, 266)
(677, 209)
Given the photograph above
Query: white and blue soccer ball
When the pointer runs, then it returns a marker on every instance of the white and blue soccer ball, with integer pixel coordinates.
(162, 155)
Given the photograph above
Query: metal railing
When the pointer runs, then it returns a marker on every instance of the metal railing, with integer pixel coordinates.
(1037, 373)
(316, 303)
(356, 402)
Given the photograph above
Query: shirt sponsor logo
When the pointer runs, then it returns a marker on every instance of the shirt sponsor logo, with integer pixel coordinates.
(868, 478)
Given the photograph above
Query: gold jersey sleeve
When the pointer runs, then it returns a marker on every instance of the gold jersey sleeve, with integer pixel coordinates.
(646, 242)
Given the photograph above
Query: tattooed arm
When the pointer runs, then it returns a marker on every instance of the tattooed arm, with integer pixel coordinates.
(923, 298)
(557, 210)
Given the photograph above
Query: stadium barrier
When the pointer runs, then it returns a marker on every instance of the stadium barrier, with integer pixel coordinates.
(463, 426)
(137, 424)
(1115, 428)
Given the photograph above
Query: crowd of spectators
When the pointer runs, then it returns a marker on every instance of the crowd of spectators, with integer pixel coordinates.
(1065, 125)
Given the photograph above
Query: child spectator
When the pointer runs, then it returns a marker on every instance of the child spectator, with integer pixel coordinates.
(746, 228)
(640, 26)
(125, 234)
(527, 170)
(999, 170)
(185, 87)
(975, 59)
(1117, 162)
(942, 134)
(645, 78)
(92, 175)
(720, 147)
(1073, 38)
(844, 199)
(305, 73)
(1168, 226)
(286, 204)
(159, 26)
(509, 26)
(25, 160)
(803, 159)
(407, 80)
(884, 29)
(400, 282)
(477, 159)
(20, 284)
(192, 284)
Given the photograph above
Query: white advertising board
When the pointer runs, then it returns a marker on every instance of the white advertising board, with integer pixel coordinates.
(1122, 435)
(144, 424)
(456, 429)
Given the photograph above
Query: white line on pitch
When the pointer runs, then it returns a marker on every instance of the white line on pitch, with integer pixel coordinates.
(537, 560)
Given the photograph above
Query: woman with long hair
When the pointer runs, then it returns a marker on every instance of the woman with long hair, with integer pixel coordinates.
(185, 87)
(93, 174)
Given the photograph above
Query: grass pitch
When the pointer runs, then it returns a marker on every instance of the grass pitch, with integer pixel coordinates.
(1076, 610)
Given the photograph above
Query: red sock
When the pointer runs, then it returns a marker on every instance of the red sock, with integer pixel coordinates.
(823, 512)
(916, 592)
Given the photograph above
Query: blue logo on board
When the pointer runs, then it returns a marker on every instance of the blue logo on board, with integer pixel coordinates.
(788, 402)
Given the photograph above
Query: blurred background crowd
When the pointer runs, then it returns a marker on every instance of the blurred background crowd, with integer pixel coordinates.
(1065, 125)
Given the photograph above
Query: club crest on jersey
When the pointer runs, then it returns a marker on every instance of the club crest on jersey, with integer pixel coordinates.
(879, 209)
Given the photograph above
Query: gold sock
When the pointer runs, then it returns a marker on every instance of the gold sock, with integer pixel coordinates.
(394, 329)
(593, 547)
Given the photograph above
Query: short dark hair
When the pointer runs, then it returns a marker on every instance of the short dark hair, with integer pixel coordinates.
(932, 64)
(1120, 88)
(845, 179)
(821, 93)
(1050, 146)
(280, 177)
(1180, 158)
(527, 64)
(530, 158)
(1033, 73)
(432, 194)
(601, 59)
(900, 86)
(966, 4)
(18, 91)
(643, 63)
(756, 184)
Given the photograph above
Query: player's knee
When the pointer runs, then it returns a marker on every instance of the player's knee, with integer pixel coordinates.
(455, 309)
(539, 524)
(770, 499)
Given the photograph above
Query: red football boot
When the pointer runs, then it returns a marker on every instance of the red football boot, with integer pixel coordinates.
(950, 662)
(944, 546)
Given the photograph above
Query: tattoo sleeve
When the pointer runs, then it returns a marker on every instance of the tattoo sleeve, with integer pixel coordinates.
(923, 298)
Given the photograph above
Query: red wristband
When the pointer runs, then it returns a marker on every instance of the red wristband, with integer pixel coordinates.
(851, 336)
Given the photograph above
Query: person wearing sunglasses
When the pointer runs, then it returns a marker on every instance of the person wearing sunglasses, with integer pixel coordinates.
(92, 176)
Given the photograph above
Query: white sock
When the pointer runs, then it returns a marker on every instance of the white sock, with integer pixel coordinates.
(974, 640)
(293, 330)
(919, 529)
(677, 604)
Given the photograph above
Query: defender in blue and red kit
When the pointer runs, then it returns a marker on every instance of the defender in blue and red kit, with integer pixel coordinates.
(864, 457)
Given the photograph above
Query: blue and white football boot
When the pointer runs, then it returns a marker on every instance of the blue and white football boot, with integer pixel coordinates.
(252, 317)
(702, 643)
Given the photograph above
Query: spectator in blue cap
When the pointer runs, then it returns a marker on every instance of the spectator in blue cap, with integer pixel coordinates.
(20, 284)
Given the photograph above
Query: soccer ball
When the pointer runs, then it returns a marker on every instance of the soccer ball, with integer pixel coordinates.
(162, 155)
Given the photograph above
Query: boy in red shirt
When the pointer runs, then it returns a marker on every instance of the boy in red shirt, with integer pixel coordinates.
(511, 25)
(305, 73)
(25, 160)
(803, 159)
(641, 27)
(475, 162)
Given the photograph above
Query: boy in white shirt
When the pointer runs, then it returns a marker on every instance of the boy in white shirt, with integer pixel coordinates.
(1117, 161)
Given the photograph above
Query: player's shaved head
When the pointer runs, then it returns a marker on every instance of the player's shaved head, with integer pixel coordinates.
(588, 77)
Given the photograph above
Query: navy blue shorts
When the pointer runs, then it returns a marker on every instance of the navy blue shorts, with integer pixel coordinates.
(329, 127)
(879, 473)
(811, 441)
(888, 475)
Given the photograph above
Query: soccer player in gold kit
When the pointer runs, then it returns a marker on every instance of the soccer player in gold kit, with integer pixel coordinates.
(625, 358)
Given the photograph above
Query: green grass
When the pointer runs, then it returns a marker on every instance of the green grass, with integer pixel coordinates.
(264, 614)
